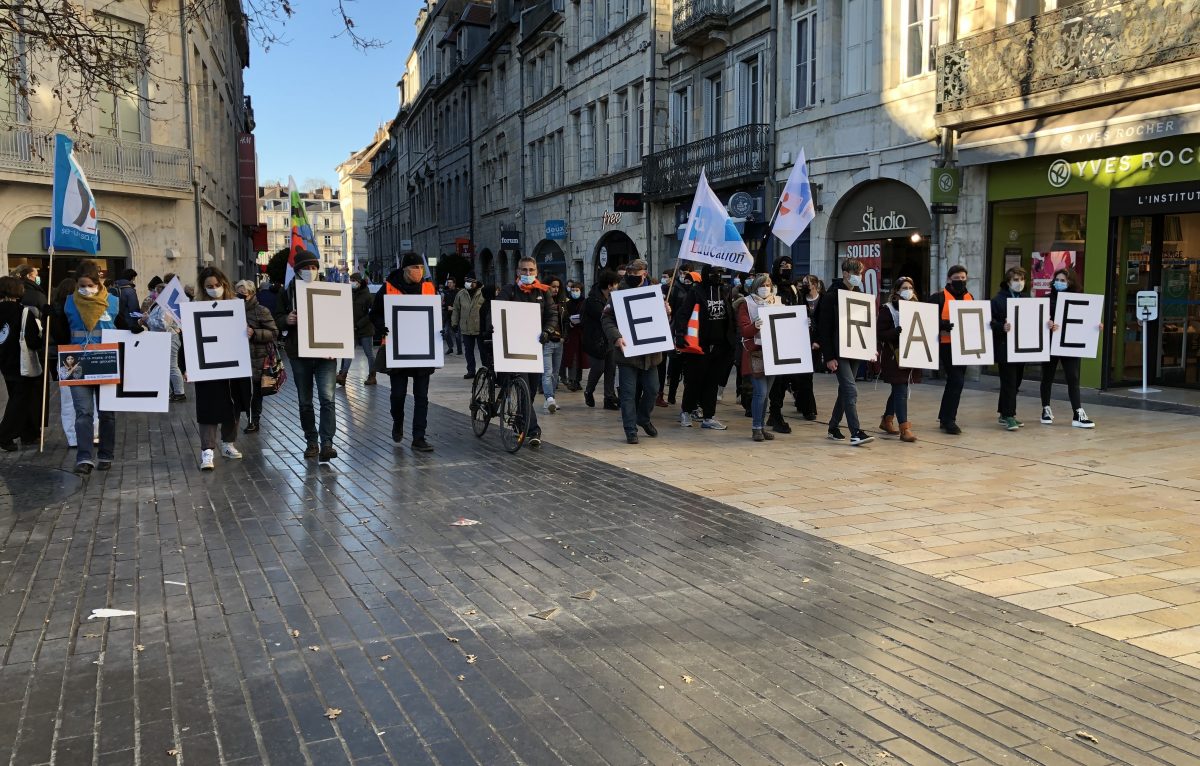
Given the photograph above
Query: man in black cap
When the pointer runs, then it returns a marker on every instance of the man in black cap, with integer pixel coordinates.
(307, 371)
(465, 318)
(409, 279)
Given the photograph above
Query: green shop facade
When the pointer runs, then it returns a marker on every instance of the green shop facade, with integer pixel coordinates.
(1125, 218)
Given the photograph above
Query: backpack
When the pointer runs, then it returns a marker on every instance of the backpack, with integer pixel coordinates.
(273, 373)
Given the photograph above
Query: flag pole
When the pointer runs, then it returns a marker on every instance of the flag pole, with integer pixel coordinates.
(46, 352)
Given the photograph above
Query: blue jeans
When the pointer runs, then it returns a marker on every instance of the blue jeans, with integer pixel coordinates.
(85, 399)
(324, 372)
(758, 405)
(552, 353)
(366, 343)
(469, 342)
(176, 373)
(897, 403)
(847, 398)
(636, 413)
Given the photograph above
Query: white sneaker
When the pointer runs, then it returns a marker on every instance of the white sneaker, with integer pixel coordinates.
(230, 451)
(1081, 420)
(714, 424)
(1047, 415)
(551, 406)
(685, 419)
(206, 460)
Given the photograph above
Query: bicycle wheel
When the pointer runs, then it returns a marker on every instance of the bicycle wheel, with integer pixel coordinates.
(514, 413)
(483, 393)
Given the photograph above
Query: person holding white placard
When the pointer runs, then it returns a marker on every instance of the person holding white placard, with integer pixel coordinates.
(749, 323)
(705, 331)
(828, 321)
(220, 403)
(527, 289)
(161, 319)
(956, 375)
(263, 334)
(1062, 282)
(91, 311)
(638, 386)
(895, 413)
(1011, 373)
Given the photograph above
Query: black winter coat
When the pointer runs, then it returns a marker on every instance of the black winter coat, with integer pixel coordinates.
(888, 334)
(701, 293)
(595, 342)
(363, 300)
(34, 296)
(265, 335)
(222, 401)
(826, 320)
(551, 329)
(379, 321)
(10, 337)
(999, 317)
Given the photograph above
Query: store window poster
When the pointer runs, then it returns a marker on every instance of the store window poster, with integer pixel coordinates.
(1045, 264)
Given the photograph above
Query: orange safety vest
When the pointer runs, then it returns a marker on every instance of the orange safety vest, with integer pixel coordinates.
(946, 298)
(426, 289)
(691, 341)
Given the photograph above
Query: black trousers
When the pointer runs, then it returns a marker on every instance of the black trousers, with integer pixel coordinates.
(256, 402)
(21, 415)
(703, 374)
(420, 384)
(802, 389)
(955, 377)
(778, 392)
(1070, 366)
(1011, 375)
(675, 365)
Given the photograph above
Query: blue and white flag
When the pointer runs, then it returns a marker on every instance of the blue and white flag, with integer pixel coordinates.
(796, 210)
(711, 236)
(73, 220)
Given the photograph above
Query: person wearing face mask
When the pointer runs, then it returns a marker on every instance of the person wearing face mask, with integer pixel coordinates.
(262, 333)
(956, 375)
(364, 328)
(705, 333)
(1064, 281)
(895, 413)
(453, 340)
(35, 294)
(20, 332)
(787, 295)
(749, 323)
(828, 317)
(162, 319)
(575, 361)
(677, 296)
(638, 375)
(552, 347)
(811, 288)
(1011, 373)
(309, 373)
(220, 403)
(528, 289)
(464, 319)
(595, 343)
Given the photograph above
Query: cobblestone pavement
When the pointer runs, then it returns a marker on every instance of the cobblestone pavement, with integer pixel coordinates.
(288, 613)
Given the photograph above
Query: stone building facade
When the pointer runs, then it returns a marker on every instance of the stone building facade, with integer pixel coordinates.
(353, 175)
(164, 166)
(325, 217)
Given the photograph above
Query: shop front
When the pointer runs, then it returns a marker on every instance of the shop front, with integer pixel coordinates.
(886, 225)
(29, 244)
(1124, 219)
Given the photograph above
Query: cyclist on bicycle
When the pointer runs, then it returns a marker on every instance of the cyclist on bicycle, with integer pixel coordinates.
(409, 279)
(527, 289)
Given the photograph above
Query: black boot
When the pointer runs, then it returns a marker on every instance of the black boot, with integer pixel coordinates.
(778, 424)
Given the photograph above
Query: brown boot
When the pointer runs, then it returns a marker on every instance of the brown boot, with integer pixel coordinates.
(370, 381)
(888, 425)
(341, 378)
(906, 434)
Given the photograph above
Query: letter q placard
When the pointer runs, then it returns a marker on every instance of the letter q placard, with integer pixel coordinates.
(971, 336)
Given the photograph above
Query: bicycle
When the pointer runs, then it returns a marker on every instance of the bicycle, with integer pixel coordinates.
(511, 407)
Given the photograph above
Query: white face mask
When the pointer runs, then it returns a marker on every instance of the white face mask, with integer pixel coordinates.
(308, 275)
(763, 292)
(854, 280)
(1016, 286)
(214, 292)
(906, 294)
(89, 291)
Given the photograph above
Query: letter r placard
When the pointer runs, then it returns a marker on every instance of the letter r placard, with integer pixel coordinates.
(856, 325)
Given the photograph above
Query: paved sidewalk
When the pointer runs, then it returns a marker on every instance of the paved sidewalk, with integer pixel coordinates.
(295, 614)
(1097, 528)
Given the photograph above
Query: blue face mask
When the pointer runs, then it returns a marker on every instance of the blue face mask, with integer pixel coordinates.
(1060, 284)
(747, 282)
(527, 279)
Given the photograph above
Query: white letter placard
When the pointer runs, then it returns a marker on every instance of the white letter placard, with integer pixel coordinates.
(414, 331)
(856, 325)
(642, 319)
(787, 348)
(971, 333)
(516, 329)
(172, 296)
(1078, 318)
(145, 372)
(918, 336)
(1029, 339)
(214, 340)
(324, 320)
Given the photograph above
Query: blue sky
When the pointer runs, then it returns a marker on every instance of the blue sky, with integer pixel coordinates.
(318, 98)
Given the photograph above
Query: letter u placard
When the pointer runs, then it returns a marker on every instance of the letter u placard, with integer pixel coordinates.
(971, 338)
(1029, 338)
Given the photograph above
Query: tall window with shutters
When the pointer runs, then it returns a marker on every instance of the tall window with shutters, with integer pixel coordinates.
(920, 36)
(714, 101)
(751, 98)
(855, 46)
(804, 56)
(120, 110)
(681, 115)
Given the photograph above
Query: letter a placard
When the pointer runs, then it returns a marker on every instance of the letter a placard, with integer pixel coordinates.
(787, 348)
(324, 320)
(214, 340)
(516, 327)
(642, 319)
(414, 331)
(1029, 339)
(918, 336)
(1078, 318)
(971, 338)
(856, 325)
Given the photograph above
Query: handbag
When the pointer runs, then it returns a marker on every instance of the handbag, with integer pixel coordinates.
(273, 373)
(31, 365)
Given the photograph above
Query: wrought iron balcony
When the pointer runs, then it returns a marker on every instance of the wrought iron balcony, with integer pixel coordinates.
(695, 21)
(741, 154)
(30, 149)
(1043, 58)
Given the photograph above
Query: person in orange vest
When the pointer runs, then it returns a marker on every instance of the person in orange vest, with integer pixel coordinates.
(705, 330)
(409, 279)
(955, 290)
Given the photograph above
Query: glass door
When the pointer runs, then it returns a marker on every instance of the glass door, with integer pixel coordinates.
(1179, 301)
(1135, 247)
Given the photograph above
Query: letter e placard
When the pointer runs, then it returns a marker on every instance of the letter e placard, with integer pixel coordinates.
(642, 319)
(214, 340)
(1078, 318)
